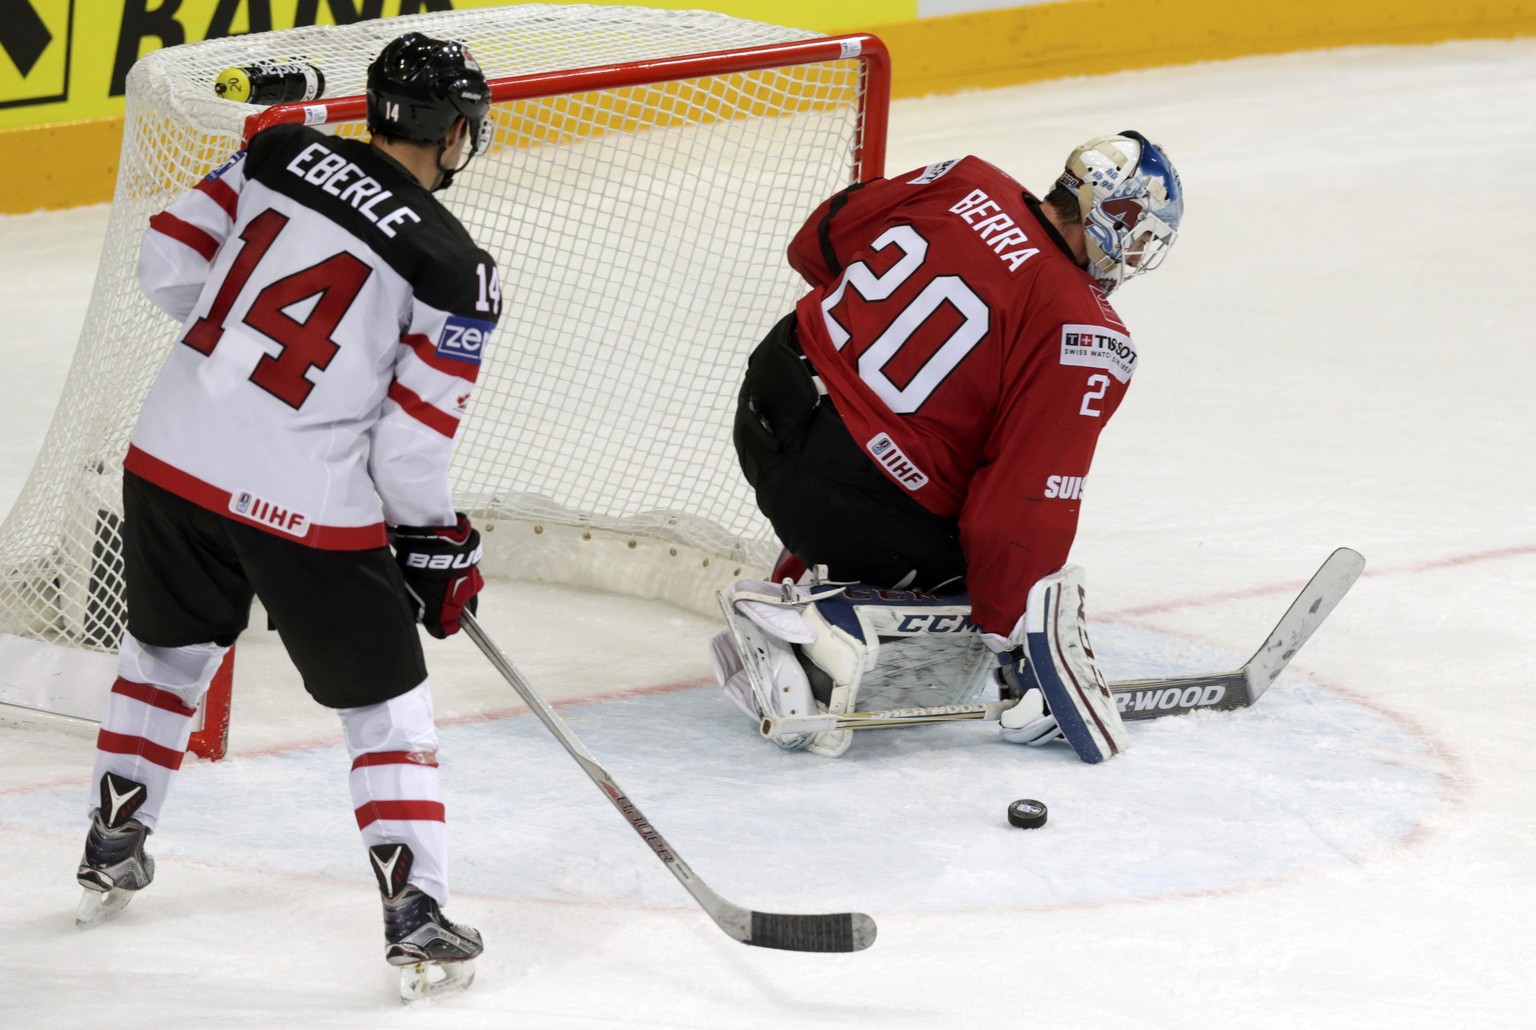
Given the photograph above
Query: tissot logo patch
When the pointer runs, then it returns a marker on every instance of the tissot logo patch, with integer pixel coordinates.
(1095, 346)
(464, 339)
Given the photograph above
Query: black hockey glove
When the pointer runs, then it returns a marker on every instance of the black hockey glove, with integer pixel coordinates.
(441, 570)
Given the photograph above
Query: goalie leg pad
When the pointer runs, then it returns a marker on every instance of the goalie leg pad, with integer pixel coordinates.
(862, 645)
(843, 656)
(731, 674)
(1064, 667)
(894, 649)
(760, 672)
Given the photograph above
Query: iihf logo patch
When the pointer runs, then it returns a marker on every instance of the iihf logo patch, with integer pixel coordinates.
(464, 339)
(891, 458)
(264, 512)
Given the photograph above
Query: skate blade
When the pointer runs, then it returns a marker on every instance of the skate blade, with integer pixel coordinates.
(425, 979)
(96, 906)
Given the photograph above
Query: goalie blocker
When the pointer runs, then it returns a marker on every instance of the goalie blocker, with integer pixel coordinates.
(797, 650)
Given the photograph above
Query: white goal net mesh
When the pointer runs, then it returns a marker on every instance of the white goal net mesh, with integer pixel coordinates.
(640, 232)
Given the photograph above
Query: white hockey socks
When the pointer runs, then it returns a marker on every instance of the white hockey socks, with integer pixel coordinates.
(395, 791)
(1062, 662)
(149, 718)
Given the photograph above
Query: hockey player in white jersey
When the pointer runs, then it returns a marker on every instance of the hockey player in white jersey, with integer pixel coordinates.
(334, 315)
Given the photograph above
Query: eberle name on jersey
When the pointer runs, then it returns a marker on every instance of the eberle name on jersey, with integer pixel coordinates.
(316, 164)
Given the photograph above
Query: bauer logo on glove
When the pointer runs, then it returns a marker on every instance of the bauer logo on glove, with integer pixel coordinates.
(443, 561)
(441, 569)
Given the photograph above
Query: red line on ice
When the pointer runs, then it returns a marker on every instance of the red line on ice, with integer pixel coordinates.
(1291, 586)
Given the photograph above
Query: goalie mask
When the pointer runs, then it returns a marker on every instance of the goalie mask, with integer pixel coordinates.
(419, 86)
(1131, 203)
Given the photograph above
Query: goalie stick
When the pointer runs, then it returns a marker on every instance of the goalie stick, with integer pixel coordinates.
(843, 931)
(1144, 698)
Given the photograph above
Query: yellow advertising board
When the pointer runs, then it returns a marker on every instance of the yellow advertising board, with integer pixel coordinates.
(63, 62)
(36, 41)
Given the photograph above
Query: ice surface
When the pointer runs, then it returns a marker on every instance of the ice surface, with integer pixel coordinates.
(1336, 353)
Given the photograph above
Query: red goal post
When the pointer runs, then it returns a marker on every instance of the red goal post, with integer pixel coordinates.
(873, 57)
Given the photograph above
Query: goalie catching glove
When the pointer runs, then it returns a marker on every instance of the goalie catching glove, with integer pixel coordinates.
(442, 574)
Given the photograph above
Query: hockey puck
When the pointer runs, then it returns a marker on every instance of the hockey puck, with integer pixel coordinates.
(1026, 813)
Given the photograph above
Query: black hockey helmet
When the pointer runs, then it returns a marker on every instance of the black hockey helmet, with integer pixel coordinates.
(418, 86)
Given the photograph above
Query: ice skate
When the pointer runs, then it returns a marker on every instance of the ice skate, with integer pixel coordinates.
(434, 953)
(115, 865)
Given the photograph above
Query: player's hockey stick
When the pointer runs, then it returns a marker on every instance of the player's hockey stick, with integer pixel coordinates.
(1145, 698)
(843, 931)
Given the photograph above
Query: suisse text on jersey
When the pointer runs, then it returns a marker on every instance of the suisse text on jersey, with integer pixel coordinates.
(365, 194)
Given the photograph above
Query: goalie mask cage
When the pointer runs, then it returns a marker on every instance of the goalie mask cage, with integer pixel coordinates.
(647, 172)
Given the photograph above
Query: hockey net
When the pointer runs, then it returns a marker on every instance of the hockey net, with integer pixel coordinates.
(647, 172)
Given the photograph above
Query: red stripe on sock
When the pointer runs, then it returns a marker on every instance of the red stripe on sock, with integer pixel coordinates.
(426, 811)
(123, 744)
(154, 696)
(427, 758)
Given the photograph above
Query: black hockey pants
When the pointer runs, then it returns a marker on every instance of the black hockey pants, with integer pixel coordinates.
(828, 501)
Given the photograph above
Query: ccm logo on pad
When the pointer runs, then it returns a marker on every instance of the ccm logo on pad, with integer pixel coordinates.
(463, 339)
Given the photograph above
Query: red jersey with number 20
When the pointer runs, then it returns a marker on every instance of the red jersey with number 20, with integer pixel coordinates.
(971, 358)
(334, 318)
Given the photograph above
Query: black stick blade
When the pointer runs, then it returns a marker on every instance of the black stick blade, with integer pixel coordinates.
(846, 931)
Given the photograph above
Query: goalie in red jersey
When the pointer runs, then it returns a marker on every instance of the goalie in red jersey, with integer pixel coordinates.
(922, 425)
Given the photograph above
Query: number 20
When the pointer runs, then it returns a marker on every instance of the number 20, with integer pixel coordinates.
(904, 400)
